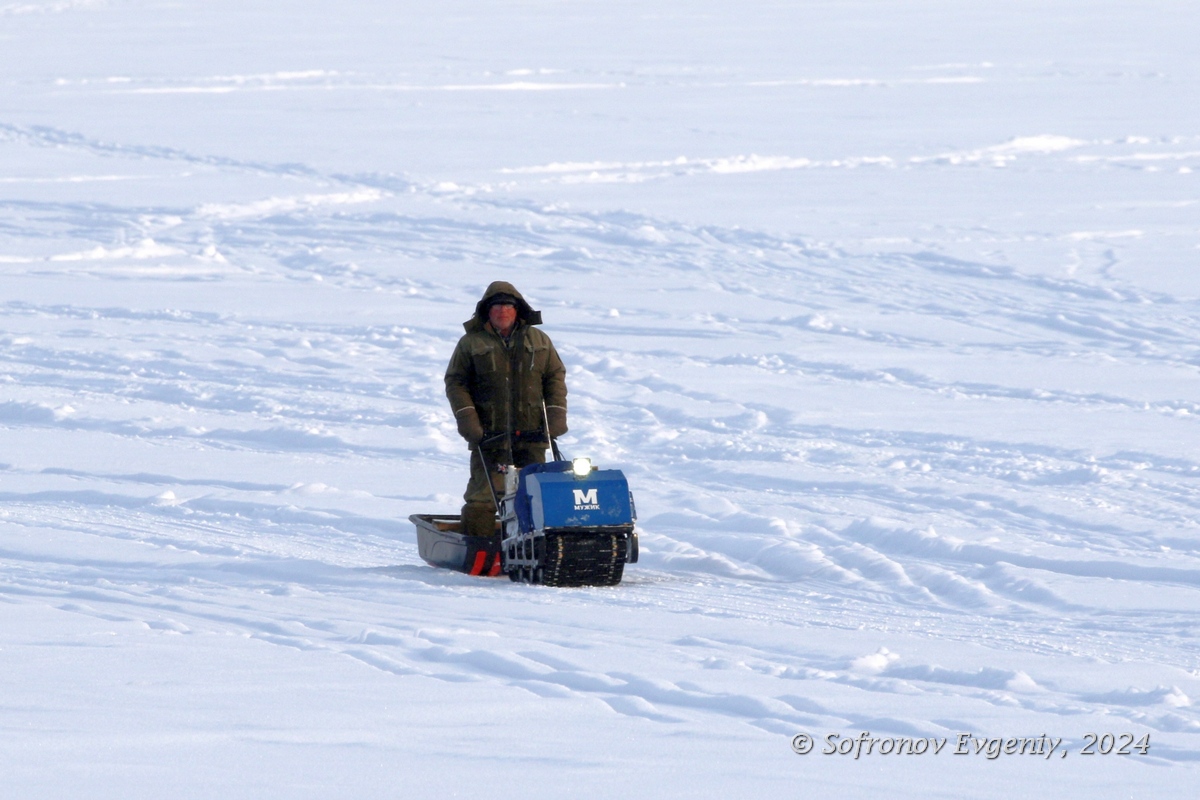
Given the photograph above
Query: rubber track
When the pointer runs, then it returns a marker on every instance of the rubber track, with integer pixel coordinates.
(583, 559)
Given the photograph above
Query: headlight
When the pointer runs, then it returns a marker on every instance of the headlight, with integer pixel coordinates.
(582, 467)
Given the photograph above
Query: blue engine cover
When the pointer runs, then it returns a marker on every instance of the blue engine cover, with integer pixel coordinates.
(550, 496)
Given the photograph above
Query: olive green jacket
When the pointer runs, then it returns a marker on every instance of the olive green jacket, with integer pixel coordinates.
(506, 381)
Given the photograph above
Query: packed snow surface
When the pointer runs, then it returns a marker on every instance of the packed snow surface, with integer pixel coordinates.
(889, 311)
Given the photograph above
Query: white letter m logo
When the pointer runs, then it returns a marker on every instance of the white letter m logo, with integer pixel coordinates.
(587, 498)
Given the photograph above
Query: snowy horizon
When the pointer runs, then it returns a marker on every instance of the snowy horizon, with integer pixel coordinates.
(889, 312)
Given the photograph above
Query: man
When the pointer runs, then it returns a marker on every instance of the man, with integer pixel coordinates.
(502, 372)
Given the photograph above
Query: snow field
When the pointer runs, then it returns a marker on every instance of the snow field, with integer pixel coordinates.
(889, 313)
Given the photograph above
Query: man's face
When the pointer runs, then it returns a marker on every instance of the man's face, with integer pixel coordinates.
(502, 317)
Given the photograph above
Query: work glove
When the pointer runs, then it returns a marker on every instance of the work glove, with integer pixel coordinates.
(469, 426)
(556, 419)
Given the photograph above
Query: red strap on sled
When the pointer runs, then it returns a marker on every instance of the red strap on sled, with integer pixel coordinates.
(480, 560)
(495, 570)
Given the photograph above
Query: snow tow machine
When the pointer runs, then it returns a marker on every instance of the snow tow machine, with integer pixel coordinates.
(562, 523)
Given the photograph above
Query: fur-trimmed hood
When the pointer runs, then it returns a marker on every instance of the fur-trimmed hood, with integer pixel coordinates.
(524, 312)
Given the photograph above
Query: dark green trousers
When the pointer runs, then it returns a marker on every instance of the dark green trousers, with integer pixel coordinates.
(479, 511)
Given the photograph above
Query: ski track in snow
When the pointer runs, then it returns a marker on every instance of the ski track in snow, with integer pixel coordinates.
(881, 489)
